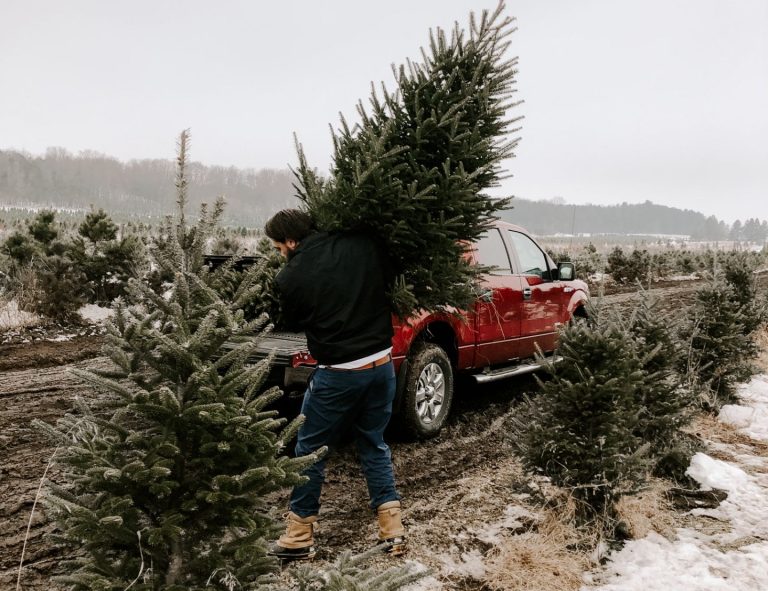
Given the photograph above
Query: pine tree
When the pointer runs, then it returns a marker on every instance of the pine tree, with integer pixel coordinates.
(413, 171)
(97, 227)
(43, 227)
(226, 280)
(719, 349)
(349, 573)
(165, 478)
(582, 429)
(665, 405)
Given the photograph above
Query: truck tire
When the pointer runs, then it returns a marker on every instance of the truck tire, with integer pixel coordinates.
(428, 391)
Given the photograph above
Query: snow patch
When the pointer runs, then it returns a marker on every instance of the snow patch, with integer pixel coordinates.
(514, 518)
(696, 561)
(469, 564)
(95, 314)
(751, 417)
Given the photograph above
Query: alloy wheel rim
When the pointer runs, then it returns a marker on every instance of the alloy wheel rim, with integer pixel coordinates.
(430, 393)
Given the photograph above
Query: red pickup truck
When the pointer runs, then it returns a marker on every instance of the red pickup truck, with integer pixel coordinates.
(521, 304)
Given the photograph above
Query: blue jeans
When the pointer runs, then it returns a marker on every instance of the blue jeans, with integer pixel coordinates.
(338, 400)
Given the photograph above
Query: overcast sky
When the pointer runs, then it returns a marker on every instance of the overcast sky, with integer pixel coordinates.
(625, 100)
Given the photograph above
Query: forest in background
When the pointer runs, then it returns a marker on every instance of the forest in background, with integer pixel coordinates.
(144, 188)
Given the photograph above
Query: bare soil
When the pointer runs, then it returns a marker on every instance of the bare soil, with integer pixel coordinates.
(454, 486)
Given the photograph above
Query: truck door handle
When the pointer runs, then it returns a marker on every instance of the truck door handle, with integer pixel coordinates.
(527, 293)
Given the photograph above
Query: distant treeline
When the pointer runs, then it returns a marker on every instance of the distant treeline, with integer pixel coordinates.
(547, 218)
(60, 179)
(144, 188)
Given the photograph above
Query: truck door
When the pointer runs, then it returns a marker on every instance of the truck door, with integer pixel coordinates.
(541, 298)
(497, 310)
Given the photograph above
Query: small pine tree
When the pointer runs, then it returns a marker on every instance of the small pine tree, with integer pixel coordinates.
(165, 481)
(20, 248)
(349, 573)
(719, 348)
(43, 227)
(582, 428)
(98, 227)
(413, 171)
(226, 280)
(665, 405)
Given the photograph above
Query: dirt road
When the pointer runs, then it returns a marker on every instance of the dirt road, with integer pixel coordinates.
(468, 468)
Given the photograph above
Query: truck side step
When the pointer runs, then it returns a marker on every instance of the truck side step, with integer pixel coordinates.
(509, 371)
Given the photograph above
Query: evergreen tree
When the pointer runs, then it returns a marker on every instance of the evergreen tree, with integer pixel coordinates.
(413, 171)
(43, 227)
(97, 227)
(719, 349)
(582, 431)
(664, 404)
(165, 479)
(20, 248)
(739, 274)
(348, 573)
(227, 279)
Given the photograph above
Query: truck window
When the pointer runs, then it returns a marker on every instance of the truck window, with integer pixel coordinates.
(492, 252)
(532, 260)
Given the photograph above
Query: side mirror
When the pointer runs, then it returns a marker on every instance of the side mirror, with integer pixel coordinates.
(566, 271)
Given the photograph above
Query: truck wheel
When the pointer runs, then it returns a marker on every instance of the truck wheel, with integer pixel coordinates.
(428, 391)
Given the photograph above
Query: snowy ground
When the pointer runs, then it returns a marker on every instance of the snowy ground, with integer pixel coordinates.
(731, 554)
(733, 560)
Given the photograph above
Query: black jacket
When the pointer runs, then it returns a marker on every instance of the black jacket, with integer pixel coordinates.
(334, 289)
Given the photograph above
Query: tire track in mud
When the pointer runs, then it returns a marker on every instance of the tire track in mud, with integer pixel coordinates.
(468, 468)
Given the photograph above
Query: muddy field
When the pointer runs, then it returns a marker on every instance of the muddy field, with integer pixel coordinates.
(468, 471)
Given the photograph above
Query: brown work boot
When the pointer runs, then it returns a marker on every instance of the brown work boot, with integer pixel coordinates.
(391, 530)
(298, 541)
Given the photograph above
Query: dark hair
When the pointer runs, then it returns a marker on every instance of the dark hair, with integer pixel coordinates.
(289, 224)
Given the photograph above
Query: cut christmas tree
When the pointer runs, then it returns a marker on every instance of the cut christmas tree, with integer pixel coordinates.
(413, 171)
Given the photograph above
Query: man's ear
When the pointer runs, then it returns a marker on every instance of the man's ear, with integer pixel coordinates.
(291, 243)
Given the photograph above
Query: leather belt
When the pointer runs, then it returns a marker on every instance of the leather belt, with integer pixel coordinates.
(380, 361)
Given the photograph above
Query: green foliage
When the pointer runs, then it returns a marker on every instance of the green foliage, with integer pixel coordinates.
(109, 264)
(583, 427)
(348, 573)
(720, 349)
(43, 227)
(264, 299)
(20, 248)
(166, 478)
(629, 269)
(97, 227)
(739, 274)
(665, 405)
(56, 288)
(413, 171)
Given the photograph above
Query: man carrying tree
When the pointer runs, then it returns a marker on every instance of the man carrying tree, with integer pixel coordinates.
(334, 288)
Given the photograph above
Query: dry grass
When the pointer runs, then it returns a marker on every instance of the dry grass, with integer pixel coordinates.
(11, 317)
(709, 428)
(648, 511)
(553, 556)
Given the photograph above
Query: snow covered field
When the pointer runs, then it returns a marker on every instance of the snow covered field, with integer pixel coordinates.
(734, 560)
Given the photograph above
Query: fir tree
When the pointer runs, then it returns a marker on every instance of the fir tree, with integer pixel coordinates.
(720, 349)
(165, 480)
(413, 171)
(582, 429)
(349, 573)
(664, 404)
(97, 227)
(43, 227)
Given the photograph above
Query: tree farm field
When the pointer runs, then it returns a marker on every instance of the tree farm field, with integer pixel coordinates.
(470, 466)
